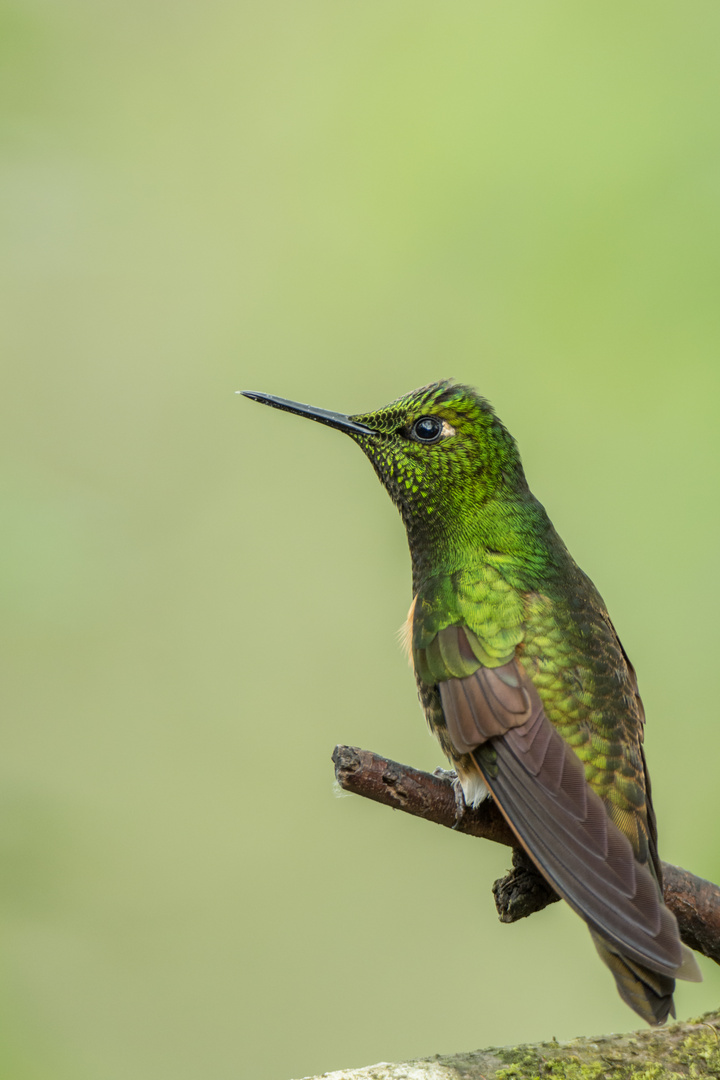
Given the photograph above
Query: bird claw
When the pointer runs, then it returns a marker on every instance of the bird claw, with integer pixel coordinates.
(460, 804)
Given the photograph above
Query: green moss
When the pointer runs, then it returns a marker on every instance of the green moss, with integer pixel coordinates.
(531, 1066)
(682, 1052)
(700, 1053)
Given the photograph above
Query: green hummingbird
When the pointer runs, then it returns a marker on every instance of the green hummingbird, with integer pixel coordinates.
(521, 674)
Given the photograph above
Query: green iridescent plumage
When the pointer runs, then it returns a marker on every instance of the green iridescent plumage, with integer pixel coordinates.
(521, 675)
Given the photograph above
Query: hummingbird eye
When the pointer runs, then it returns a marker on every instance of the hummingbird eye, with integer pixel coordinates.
(427, 429)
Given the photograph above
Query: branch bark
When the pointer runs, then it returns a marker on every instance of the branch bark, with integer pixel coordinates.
(694, 901)
(670, 1053)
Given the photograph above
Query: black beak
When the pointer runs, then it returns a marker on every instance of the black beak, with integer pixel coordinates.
(332, 419)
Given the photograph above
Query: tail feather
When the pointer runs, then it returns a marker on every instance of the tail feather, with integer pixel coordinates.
(648, 993)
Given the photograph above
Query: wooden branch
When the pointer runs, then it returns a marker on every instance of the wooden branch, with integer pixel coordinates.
(662, 1053)
(694, 901)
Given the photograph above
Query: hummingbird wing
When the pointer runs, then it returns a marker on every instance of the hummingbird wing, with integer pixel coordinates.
(497, 716)
(650, 820)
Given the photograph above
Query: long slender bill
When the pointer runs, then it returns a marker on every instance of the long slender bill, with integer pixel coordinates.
(322, 416)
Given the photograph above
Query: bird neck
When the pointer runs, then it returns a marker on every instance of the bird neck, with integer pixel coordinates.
(512, 533)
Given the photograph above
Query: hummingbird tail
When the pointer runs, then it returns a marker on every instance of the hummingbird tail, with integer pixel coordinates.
(648, 993)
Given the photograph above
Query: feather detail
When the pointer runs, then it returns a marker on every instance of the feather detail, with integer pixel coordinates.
(649, 994)
(539, 785)
(489, 702)
(473, 786)
(405, 633)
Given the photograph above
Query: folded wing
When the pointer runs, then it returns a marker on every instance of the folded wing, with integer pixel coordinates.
(539, 783)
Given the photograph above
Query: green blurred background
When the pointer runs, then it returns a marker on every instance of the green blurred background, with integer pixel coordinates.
(334, 202)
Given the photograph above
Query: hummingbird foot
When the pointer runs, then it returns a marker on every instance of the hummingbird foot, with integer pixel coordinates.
(469, 792)
(451, 777)
(461, 807)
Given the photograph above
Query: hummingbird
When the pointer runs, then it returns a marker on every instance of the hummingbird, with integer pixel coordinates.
(521, 675)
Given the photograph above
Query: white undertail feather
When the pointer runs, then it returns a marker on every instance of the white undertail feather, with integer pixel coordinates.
(473, 787)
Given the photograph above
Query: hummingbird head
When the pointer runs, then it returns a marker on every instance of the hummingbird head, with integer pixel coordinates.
(440, 452)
